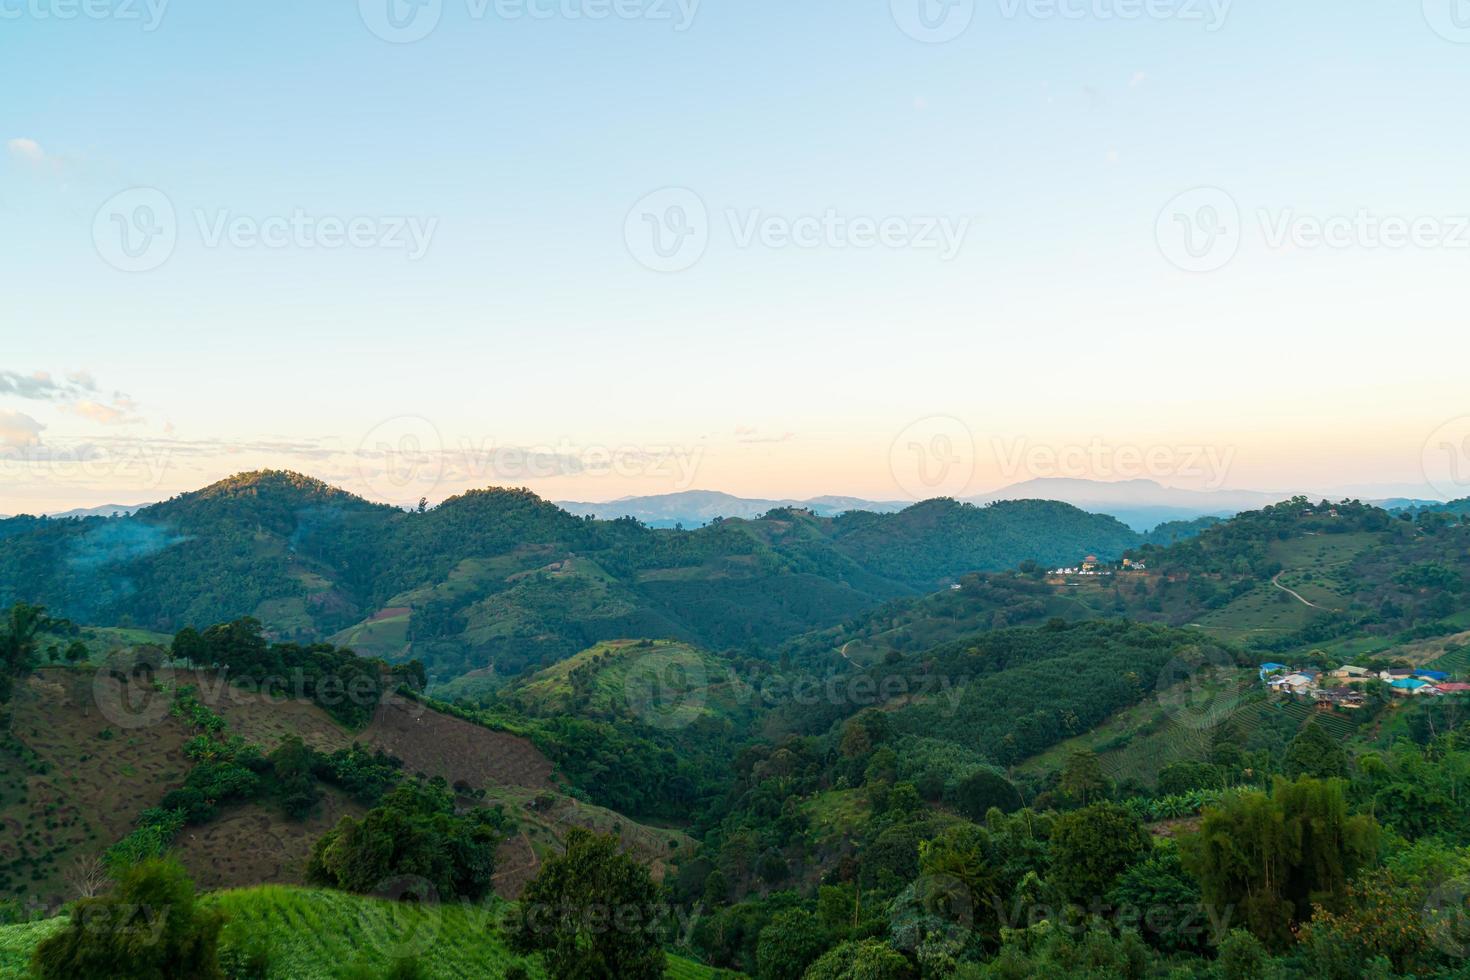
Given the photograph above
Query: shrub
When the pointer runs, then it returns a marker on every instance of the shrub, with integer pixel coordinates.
(148, 928)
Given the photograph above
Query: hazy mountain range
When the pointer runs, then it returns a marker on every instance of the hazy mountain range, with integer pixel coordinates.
(695, 508)
(104, 510)
(1141, 504)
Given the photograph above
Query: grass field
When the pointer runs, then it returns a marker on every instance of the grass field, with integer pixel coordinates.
(666, 683)
(1264, 611)
(1312, 566)
(322, 935)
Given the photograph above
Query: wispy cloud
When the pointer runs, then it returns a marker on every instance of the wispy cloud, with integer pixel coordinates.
(77, 394)
(26, 150)
(18, 430)
(41, 386)
(750, 435)
(97, 412)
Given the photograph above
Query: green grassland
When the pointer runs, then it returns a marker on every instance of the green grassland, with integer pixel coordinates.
(1139, 741)
(1264, 610)
(322, 935)
(622, 676)
(837, 814)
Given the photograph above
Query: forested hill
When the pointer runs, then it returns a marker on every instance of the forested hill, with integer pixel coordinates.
(500, 578)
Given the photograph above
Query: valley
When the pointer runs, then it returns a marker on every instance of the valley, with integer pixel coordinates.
(771, 718)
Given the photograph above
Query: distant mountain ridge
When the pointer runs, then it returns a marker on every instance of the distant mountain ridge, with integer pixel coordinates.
(1141, 504)
(502, 579)
(696, 508)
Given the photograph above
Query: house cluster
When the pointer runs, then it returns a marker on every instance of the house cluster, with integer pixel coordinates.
(1345, 686)
(1092, 565)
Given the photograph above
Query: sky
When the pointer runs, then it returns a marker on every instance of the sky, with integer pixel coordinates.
(884, 248)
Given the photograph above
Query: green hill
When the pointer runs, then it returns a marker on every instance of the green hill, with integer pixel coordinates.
(325, 935)
(500, 580)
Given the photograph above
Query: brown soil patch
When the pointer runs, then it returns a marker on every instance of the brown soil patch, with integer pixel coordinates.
(460, 751)
(516, 863)
(1176, 827)
(254, 844)
(109, 754)
(264, 719)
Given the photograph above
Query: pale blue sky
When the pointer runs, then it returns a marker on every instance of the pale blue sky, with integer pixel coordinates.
(524, 143)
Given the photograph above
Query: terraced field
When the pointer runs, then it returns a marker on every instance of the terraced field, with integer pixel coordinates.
(322, 935)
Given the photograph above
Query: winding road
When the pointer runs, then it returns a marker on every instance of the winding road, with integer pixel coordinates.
(1297, 595)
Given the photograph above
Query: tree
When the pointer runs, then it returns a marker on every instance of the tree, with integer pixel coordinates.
(866, 960)
(87, 876)
(19, 638)
(1091, 847)
(1242, 957)
(149, 928)
(1164, 901)
(1181, 777)
(291, 764)
(1385, 916)
(1273, 857)
(189, 646)
(789, 944)
(984, 789)
(592, 913)
(414, 833)
(1313, 752)
(1082, 778)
